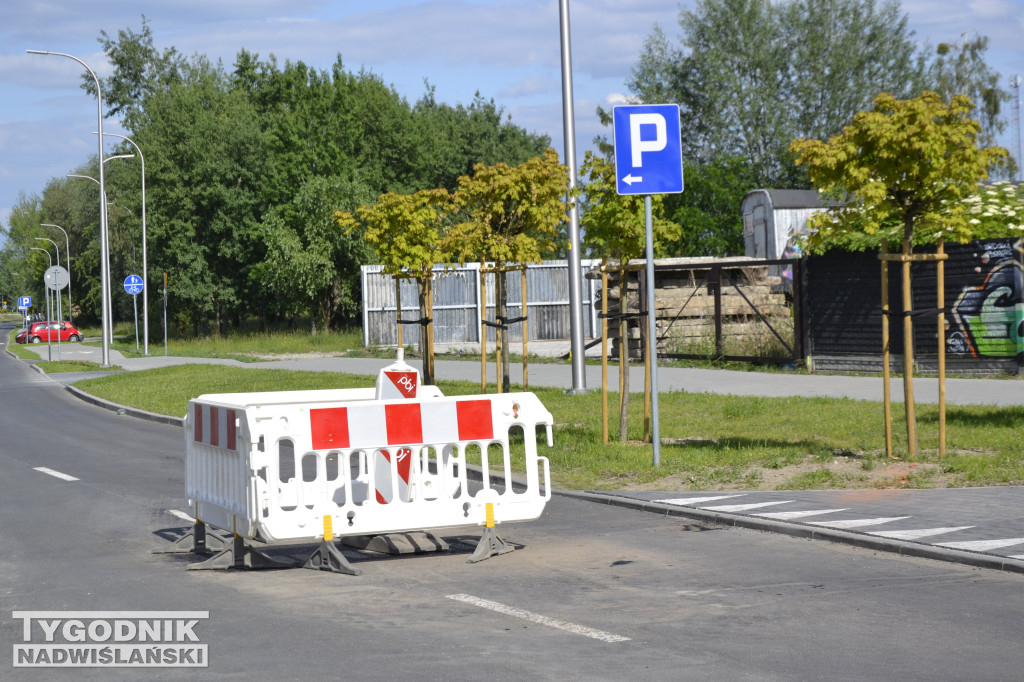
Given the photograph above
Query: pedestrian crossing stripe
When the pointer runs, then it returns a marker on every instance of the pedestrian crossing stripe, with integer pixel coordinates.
(858, 523)
(916, 534)
(790, 515)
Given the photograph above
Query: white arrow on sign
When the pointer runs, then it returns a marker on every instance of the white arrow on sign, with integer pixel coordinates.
(630, 179)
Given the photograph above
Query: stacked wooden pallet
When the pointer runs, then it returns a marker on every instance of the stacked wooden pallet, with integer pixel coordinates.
(685, 295)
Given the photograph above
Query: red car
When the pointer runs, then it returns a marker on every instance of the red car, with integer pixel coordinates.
(38, 332)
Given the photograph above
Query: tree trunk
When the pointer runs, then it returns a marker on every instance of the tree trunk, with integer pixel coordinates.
(426, 347)
(502, 314)
(908, 352)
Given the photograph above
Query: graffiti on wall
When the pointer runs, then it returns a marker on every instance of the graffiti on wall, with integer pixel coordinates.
(988, 318)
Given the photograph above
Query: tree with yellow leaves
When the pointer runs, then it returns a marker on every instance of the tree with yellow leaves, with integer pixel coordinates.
(900, 171)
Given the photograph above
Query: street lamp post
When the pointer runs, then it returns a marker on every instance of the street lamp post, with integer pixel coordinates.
(104, 244)
(105, 289)
(107, 322)
(578, 351)
(145, 270)
(46, 293)
(60, 303)
(67, 257)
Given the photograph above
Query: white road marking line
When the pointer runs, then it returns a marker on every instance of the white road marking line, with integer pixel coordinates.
(1016, 556)
(982, 545)
(784, 516)
(180, 514)
(744, 507)
(857, 523)
(537, 618)
(694, 500)
(55, 474)
(915, 534)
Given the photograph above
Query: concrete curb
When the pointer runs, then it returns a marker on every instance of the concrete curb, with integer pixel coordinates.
(121, 409)
(900, 547)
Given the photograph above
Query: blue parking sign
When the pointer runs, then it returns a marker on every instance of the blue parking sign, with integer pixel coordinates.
(24, 302)
(648, 149)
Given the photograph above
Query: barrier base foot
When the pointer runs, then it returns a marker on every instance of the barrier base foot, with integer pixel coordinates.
(397, 543)
(240, 554)
(328, 558)
(490, 545)
(196, 541)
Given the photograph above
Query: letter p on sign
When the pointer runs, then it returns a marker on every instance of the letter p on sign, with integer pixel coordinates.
(637, 144)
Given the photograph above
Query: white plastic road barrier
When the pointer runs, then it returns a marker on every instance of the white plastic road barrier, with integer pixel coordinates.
(316, 465)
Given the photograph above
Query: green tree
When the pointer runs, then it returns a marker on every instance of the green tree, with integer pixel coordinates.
(140, 69)
(244, 169)
(903, 171)
(750, 74)
(317, 264)
(407, 231)
(205, 186)
(708, 210)
(959, 68)
(510, 215)
(617, 226)
(455, 139)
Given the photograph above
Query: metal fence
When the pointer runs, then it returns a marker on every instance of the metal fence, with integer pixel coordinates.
(457, 308)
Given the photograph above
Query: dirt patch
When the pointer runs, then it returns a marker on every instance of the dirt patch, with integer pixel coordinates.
(855, 473)
(293, 356)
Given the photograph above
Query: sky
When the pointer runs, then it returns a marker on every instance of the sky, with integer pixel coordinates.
(508, 50)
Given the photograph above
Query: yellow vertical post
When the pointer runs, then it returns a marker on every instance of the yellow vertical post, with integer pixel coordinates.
(941, 277)
(526, 334)
(483, 330)
(604, 350)
(623, 351)
(886, 390)
(908, 353)
(398, 309)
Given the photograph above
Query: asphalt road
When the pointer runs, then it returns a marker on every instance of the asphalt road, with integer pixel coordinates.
(596, 592)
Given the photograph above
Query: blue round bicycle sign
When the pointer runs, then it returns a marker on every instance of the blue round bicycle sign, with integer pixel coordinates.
(133, 284)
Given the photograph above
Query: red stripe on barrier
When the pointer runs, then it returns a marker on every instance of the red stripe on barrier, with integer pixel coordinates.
(232, 443)
(197, 422)
(329, 428)
(474, 419)
(403, 423)
(215, 426)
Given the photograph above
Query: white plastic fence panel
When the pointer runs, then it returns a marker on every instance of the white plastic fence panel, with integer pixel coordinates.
(273, 469)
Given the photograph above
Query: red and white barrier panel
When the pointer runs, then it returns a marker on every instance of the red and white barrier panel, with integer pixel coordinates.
(289, 465)
(214, 426)
(401, 423)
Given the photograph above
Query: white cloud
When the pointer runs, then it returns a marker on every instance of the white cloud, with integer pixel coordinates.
(992, 9)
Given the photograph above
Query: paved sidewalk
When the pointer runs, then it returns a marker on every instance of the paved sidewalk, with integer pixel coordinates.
(1001, 392)
(976, 526)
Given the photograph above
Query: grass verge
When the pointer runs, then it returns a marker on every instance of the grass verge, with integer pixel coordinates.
(710, 441)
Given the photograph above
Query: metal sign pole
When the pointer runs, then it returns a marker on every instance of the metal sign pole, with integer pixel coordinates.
(165, 313)
(135, 304)
(652, 333)
(649, 160)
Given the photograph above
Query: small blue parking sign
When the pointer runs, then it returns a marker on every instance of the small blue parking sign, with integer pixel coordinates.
(24, 302)
(648, 149)
(133, 284)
